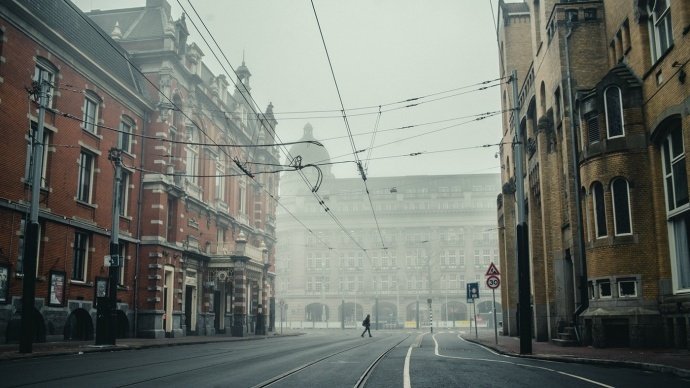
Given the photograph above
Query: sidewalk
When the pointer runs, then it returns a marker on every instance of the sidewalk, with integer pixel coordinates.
(676, 361)
(11, 351)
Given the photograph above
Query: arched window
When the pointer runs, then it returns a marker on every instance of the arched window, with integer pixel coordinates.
(660, 28)
(599, 207)
(620, 194)
(613, 102)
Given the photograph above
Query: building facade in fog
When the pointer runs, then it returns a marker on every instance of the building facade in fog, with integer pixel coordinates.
(439, 233)
(603, 108)
(196, 235)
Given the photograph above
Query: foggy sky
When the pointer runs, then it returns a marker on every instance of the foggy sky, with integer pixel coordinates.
(382, 51)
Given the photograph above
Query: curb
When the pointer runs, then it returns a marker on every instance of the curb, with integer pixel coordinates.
(592, 361)
(15, 355)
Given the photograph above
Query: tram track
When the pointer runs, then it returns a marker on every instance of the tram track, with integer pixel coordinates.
(360, 382)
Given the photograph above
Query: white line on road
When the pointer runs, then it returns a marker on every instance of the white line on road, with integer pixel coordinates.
(406, 369)
(515, 363)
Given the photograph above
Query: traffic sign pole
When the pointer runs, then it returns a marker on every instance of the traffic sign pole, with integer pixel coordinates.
(476, 332)
(493, 292)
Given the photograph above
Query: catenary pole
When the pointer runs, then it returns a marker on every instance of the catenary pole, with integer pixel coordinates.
(32, 227)
(116, 261)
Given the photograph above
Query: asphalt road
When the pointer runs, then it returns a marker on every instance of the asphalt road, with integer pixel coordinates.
(329, 358)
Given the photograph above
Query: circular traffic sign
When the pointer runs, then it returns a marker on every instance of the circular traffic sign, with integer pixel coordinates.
(493, 282)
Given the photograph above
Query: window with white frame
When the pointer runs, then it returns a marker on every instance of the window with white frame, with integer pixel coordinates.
(85, 176)
(242, 196)
(599, 207)
(604, 289)
(613, 103)
(45, 72)
(660, 28)
(125, 135)
(220, 178)
(123, 195)
(677, 214)
(90, 110)
(192, 154)
(620, 194)
(627, 287)
(28, 171)
(80, 255)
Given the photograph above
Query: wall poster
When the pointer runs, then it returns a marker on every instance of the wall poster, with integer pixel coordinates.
(57, 288)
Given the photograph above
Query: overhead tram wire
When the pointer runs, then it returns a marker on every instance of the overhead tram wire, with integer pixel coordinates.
(287, 152)
(347, 127)
(339, 116)
(275, 134)
(371, 144)
(141, 136)
(419, 135)
(124, 56)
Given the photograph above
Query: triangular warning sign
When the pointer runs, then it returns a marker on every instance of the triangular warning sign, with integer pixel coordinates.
(492, 270)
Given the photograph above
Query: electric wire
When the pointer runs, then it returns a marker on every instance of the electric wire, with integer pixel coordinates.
(347, 125)
(274, 133)
(100, 32)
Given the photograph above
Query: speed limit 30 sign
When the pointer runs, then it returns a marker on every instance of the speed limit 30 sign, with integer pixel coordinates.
(493, 282)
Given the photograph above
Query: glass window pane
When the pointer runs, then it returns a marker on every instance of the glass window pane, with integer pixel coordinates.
(621, 206)
(680, 183)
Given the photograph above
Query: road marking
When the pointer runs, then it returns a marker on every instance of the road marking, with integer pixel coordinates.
(406, 369)
(515, 363)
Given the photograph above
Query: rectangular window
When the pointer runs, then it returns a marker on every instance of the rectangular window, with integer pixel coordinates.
(627, 288)
(675, 175)
(28, 171)
(192, 155)
(220, 179)
(125, 136)
(242, 197)
(90, 113)
(660, 28)
(85, 177)
(123, 196)
(80, 256)
(604, 288)
(44, 73)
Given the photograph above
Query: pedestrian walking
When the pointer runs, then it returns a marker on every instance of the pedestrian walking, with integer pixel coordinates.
(366, 323)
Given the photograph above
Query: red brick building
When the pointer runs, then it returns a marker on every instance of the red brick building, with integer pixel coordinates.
(196, 232)
(603, 109)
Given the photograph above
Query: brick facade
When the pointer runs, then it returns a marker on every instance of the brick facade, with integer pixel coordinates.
(179, 228)
(626, 96)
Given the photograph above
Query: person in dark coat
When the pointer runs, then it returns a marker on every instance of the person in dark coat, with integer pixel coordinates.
(366, 323)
